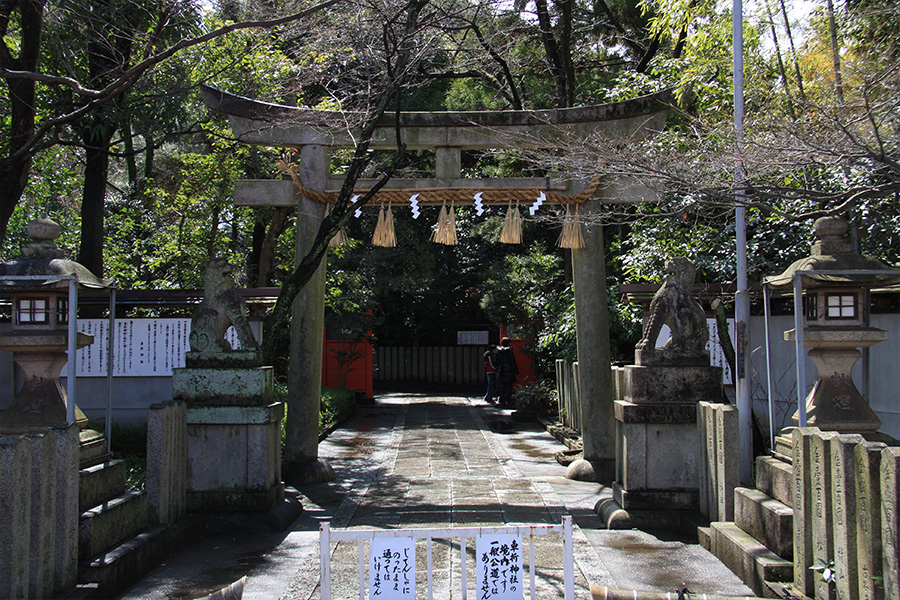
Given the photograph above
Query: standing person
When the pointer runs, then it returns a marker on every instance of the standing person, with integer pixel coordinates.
(507, 371)
(490, 370)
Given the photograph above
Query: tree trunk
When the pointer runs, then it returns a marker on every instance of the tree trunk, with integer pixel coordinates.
(835, 56)
(96, 172)
(551, 49)
(565, 51)
(16, 165)
(781, 70)
(281, 218)
(790, 36)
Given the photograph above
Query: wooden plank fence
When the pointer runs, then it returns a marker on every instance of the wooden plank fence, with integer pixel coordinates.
(430, 364)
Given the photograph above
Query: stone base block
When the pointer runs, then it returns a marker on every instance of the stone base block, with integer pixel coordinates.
(657, 456)
(669, 384)
(656, 499)
(748, 559)
(774, 478)
(704, 538)
(235, 499)
(234, 457)
(766, 519)
(278, 518)
(628, 412)
(224, 386)
(234, 359)
(615, 517)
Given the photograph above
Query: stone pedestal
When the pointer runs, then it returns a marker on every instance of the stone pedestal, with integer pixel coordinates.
(657, 445)
(834, 404)
(41, 401)
(233, 433)
(234, 457)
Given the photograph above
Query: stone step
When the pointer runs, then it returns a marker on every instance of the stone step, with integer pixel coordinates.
(110, 573)
(704, 538)
(99, 483)
(111, 522)
(755, 564)
(775, 478)
(93, 449)
(766, 519)
(784, 447)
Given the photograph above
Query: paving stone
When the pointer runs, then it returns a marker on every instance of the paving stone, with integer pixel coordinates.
(415, 461)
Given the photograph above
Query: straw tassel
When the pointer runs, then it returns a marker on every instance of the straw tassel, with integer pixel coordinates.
(445, 231)
(451, 227)
(571, 236)
(338, 238)
(384, 230)
(512, 226)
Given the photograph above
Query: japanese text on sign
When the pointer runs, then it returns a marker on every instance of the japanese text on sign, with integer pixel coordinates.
(392, 568)
(142, 347)
(499, 567)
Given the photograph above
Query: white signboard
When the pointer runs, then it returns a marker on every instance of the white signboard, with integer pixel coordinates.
(472, 338)
(142, 347)
(716, 355)
(392, 568)
(498, 564)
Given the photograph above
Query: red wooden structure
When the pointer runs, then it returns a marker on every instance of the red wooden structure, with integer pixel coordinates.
(519, 344)
(347, 363)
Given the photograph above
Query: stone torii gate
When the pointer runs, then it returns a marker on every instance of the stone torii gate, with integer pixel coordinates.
(316, 132)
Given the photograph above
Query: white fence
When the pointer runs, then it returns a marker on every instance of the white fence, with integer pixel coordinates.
(392, 550)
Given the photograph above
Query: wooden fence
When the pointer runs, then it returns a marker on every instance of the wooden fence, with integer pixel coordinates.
(430, 364)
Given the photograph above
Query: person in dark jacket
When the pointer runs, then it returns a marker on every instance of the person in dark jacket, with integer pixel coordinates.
(507, 371)
(490, 371)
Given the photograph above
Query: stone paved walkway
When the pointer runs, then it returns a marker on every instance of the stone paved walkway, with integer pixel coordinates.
(416, 460)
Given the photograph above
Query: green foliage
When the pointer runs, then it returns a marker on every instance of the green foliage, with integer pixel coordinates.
(825, 569)
(337, 405)
(130, 444)
(537, 399)
(163, 235)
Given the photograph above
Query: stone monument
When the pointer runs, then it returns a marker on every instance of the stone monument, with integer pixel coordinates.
(234, 423)
(657, 446)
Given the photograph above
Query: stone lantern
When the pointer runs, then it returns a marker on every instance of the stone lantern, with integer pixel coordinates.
(38, 284)
(835, 280)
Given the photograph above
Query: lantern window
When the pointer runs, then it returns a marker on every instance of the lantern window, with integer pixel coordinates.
(840, 306)
(812, 306)
(33, 310)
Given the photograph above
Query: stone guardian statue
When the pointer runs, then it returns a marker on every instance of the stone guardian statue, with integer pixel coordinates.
(222, 307)
(673, 305)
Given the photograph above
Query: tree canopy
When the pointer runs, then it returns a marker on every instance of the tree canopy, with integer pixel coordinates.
(101, 126)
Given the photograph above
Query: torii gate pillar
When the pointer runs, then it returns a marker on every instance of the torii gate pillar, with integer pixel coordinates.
(592, 335)
(300, 462)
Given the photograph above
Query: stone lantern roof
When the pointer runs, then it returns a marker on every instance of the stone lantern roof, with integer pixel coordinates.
(42, 257)
(833, 251)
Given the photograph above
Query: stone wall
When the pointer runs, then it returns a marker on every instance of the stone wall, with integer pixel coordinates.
(39, 508)
(167, 461)
(719, 460)
(845, 499)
